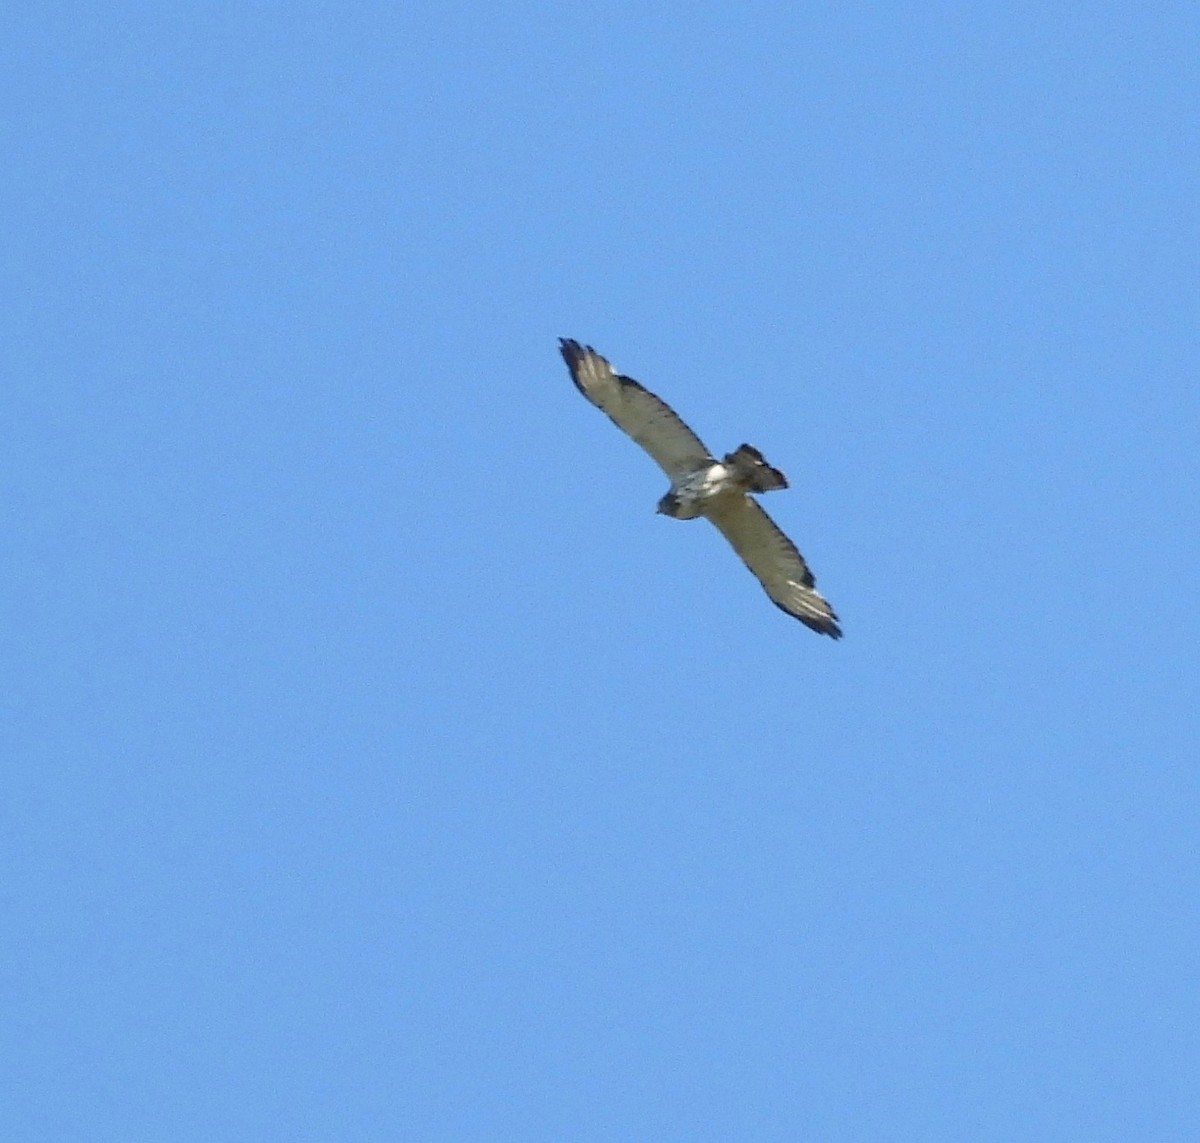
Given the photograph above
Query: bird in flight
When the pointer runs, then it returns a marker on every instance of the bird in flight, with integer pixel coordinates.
(703, 486)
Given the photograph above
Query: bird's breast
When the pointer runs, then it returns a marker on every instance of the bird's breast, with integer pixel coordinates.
(691, 495)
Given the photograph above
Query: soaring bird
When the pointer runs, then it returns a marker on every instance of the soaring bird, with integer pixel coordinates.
(703, 486)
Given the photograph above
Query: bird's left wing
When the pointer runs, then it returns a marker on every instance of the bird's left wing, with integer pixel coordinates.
(774, 559)
(635, 410)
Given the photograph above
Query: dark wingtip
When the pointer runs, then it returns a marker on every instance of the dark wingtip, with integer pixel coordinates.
(574, 355)
(573, 352)
(825, 626)
(570, 345)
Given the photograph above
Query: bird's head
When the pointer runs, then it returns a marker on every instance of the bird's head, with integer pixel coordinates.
(668, 505)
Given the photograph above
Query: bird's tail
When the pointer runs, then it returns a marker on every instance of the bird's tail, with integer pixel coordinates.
(752, 468)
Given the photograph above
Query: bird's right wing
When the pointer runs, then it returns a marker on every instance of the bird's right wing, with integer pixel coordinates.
(774, 559)
(635, 410)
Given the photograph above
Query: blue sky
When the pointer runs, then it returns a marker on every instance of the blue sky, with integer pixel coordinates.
(379, 766)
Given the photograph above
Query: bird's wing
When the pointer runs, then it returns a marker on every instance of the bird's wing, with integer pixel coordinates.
(773, 558)
(648, 419)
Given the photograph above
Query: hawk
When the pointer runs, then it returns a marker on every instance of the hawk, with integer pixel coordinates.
(704, 486)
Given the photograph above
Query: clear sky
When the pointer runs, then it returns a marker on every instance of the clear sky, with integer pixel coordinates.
(379, 766)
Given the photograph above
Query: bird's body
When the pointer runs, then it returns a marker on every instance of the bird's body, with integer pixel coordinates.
(702, 486)
(688, 498)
